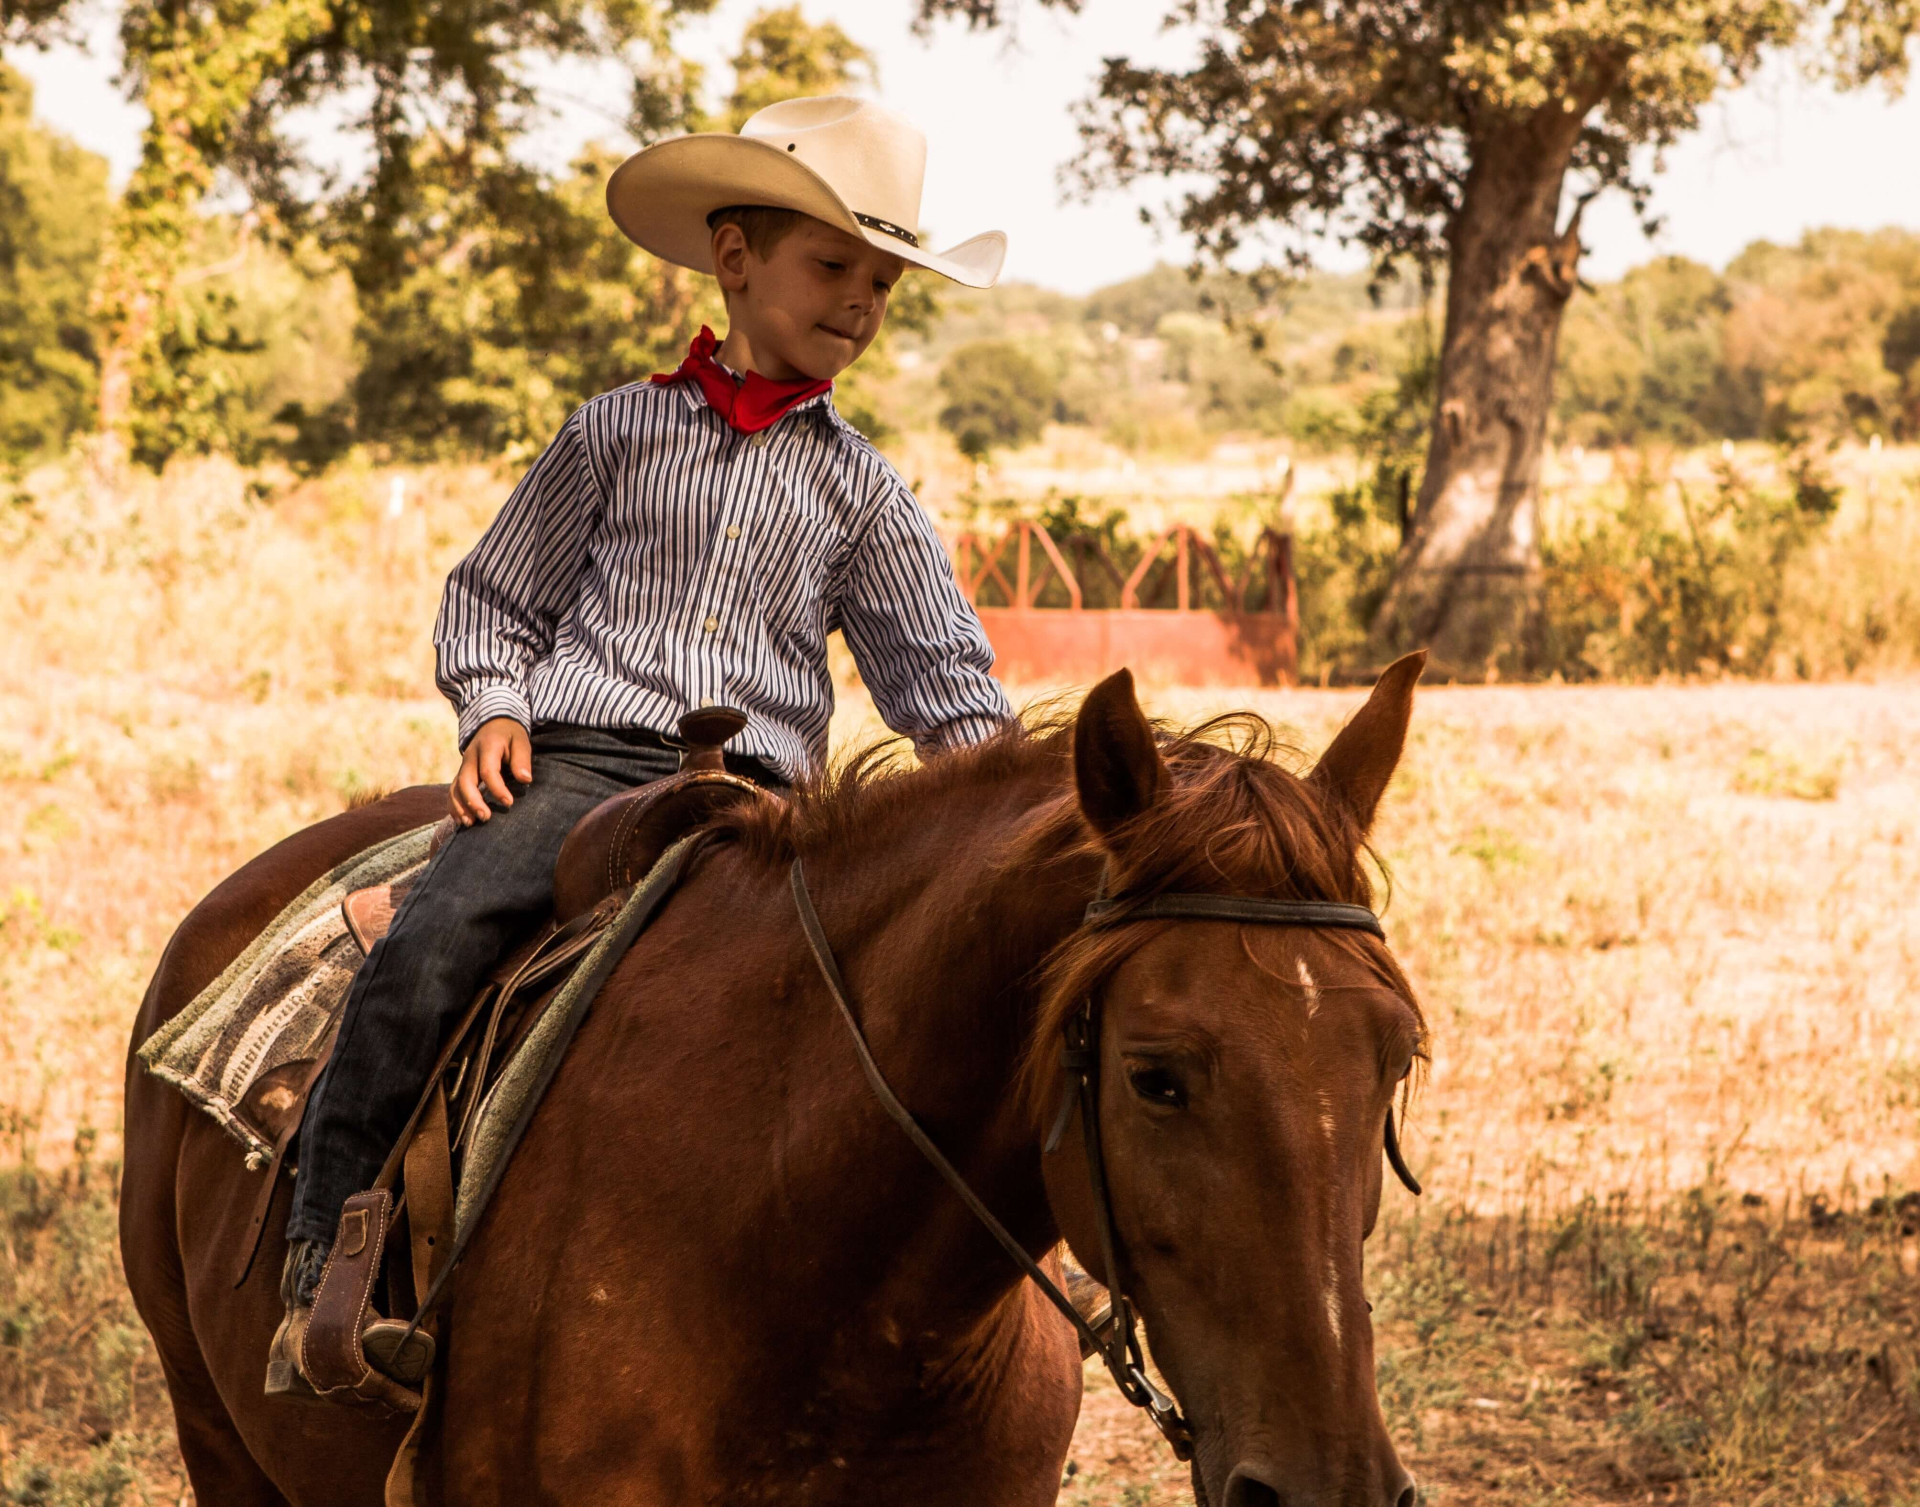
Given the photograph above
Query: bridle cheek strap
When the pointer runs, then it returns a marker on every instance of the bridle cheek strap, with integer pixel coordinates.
(830, 974)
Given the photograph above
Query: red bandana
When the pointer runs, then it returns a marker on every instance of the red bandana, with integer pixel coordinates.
(750, 405)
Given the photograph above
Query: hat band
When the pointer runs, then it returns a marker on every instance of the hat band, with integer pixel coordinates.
(887, 227)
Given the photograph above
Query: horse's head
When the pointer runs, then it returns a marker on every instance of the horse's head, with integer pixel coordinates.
(1247, 1072)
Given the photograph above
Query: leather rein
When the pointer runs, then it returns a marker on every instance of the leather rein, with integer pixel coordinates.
(1119, 1346)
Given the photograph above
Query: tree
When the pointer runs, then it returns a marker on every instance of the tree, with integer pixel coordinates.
(997, 396)
(492, 298)
(53, 209)
(503, 300)
(1447, 137)
(444, 95)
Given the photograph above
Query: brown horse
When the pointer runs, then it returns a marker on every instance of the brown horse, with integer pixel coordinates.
(717, 1273)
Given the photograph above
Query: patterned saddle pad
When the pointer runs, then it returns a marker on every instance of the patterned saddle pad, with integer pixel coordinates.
(244, 1046)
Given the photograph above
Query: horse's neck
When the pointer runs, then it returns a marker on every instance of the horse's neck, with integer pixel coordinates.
(943, 937)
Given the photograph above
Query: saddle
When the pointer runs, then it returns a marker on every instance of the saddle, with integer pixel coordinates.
(608, 852)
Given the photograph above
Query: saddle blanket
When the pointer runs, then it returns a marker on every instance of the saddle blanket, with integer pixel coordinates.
(243, 1047)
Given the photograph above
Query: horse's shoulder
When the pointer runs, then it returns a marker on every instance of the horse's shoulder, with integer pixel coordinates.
(234, 911)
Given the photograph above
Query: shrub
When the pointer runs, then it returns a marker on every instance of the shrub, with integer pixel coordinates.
(1676, 581)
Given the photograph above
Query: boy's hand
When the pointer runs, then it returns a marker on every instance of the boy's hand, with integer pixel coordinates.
(500, 749)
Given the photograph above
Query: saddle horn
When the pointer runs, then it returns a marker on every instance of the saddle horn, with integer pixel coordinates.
(704, 731)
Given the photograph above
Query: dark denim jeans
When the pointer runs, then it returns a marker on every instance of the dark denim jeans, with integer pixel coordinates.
(484, 891)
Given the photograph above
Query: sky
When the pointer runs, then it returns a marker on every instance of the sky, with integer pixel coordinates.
(1771, 160)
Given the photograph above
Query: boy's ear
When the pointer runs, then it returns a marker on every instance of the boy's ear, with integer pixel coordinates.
(730, 257)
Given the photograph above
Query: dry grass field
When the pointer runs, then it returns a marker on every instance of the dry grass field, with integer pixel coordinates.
(1667, 937)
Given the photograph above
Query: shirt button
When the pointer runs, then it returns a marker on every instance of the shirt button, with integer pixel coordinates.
(713, 624)
(759, 441)
(733, 531)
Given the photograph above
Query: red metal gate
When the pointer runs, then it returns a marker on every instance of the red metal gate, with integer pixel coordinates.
(1238, 642)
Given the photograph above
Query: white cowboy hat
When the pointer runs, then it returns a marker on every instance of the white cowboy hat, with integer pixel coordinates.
(842, 160)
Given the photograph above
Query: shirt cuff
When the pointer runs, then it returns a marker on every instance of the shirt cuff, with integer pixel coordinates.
(494, 701)
(960, 732)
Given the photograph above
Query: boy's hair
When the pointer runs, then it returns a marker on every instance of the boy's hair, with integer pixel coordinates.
(764, 226)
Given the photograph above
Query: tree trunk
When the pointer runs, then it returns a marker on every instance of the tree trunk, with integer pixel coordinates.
(1466, 582)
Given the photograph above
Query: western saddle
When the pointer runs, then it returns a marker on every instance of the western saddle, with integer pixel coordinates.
(607, 853)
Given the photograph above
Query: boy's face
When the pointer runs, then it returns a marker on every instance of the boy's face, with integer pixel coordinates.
(812, 306)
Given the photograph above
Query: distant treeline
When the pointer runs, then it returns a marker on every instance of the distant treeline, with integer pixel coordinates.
(1815, 341)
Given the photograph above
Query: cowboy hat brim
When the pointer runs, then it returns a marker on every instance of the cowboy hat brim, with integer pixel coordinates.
(661, 197)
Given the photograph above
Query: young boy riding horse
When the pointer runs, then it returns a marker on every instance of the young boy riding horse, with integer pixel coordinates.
(683, 543)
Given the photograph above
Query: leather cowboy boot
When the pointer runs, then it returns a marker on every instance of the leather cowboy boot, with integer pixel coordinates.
(393, 1348)
(299, 1278)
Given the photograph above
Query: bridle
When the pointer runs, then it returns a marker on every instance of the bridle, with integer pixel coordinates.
(1119, 1345)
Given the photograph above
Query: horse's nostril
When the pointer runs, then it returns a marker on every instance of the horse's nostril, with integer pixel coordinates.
(1407, 1498)
(1244, 1490)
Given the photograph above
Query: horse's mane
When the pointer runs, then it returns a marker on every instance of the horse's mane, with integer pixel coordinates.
(1233, 819)
(876, 788)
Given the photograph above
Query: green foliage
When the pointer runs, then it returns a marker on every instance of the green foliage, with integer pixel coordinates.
(1813, 331)
(186, 399)
(203, 73)
(493, 303)
(1389, 435)
(1138, 305)
(997, 396)
(1227, 384)
(1443, 137)
(53, 211)
(1819, 339)
(1343, 573)
(249, 333)
(1365, 121)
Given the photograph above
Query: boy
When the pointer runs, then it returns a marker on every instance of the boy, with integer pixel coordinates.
(685, 542)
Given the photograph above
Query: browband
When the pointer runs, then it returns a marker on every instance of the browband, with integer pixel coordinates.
(1328, 913)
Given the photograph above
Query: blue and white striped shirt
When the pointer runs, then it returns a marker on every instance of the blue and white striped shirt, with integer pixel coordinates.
(654, 560)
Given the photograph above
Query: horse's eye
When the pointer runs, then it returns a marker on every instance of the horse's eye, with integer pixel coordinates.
(1158, 1086)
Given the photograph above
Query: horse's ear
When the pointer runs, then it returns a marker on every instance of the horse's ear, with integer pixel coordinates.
(1354, 771)
(1116, 764)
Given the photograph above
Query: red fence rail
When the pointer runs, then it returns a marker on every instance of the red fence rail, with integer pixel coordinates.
(1249, 635)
